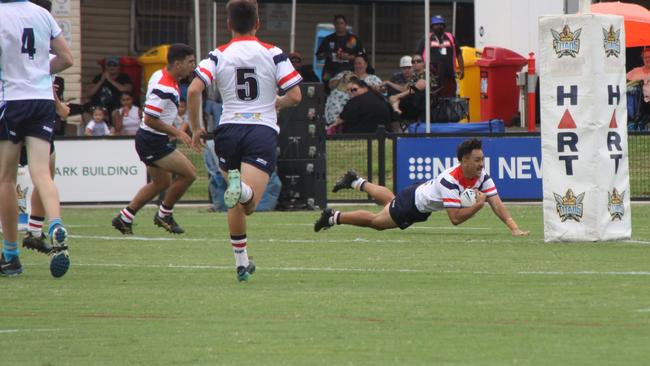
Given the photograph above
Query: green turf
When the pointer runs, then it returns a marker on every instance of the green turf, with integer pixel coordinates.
(431, 295)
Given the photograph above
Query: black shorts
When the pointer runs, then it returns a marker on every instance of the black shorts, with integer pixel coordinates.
(23, 153)
(402, 208)
(22, 118)
(152, 147)
(253, 144)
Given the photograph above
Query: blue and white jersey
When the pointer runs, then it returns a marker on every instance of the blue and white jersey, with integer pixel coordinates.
(162, 100)
(444, 191)
(248, 74)
(25, 34)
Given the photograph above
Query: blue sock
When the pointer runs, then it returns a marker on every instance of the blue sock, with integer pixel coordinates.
(10, 250)
(54, 223)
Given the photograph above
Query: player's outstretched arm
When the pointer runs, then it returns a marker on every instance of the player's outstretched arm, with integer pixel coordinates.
(502, 212)
(459, 215)
(63, 58)
(194, 108)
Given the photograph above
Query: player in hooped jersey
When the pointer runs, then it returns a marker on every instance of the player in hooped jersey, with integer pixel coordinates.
(27, 34)
(153, 145)
(248, 74)
(416, 202)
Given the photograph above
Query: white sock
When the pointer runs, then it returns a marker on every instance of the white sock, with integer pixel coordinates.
(164, 211)
(246, 193)
(334, 219)
(238, 243)
(357, 184)
(127, 215)
(35, 225)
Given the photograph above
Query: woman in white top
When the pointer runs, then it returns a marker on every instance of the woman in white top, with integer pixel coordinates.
(127, 118)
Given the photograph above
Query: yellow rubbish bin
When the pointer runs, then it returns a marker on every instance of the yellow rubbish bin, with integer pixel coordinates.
(153, 60)
(470, 85)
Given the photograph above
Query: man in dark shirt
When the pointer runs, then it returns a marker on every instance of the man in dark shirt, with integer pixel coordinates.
(443, 49)
(306, 71)
(365, 111)
(338, 49)
(108, 86)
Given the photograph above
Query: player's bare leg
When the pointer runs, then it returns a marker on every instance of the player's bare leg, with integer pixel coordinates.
(9, 154)
(35, 239)
(38, 155)
(361, 218)
(380, 194)
(255, 180)
(160, 181)
(351, 180)
(185, 175)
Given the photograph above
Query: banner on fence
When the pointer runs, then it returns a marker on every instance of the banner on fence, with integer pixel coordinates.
(584, 128)
(514, 163)
(98, 170)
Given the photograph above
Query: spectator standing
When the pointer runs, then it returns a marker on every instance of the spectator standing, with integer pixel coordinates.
(107, 87)
(126, 120)
(338, 49)
(365, 111)
(306, 71)
(338, 84)
(642, 74)
(444, 51)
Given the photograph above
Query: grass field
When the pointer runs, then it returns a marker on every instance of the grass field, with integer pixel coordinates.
(431, 295)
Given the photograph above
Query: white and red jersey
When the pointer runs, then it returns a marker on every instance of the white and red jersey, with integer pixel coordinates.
(25, 34)
(444, 191)
(248, 74)
(162, 99)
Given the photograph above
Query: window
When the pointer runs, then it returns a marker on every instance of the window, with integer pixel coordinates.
(162, 22)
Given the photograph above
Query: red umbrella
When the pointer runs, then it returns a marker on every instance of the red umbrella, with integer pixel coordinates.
(637, 21)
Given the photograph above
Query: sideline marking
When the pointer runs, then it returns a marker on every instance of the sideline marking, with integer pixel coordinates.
(366, 270)
(5, 331)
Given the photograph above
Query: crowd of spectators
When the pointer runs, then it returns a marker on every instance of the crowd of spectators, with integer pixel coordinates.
(357, 99)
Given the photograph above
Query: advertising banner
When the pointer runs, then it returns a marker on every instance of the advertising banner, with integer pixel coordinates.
(584, 128)
(514, 163)
(98, 170)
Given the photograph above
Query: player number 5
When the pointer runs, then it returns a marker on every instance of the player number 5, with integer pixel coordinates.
(247, 89)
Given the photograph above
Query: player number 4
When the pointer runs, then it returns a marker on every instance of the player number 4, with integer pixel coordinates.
(28, 43)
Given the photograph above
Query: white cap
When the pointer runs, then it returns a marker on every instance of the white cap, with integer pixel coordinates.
(405, 61)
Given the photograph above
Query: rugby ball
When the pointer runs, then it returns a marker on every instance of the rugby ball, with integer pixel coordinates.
(468, 198)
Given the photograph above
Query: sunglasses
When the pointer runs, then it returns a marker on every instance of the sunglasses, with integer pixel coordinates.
(353, 90)
(417, 61)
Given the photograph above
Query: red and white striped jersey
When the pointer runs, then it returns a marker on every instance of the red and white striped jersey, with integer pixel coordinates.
(248, 74)
(161, 100)
(444, 191)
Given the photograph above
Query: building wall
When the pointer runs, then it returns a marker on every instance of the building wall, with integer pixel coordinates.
(105, 31)
(67, 16)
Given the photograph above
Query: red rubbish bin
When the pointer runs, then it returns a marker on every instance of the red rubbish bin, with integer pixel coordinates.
(499, 90)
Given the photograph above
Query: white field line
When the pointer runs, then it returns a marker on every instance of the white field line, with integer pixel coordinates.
(362, 270)
(3, 331)
(588, 273)
(220, 240)
(643, 311)
(323, 240)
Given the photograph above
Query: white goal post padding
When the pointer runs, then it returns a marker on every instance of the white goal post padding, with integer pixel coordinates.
(584, 128)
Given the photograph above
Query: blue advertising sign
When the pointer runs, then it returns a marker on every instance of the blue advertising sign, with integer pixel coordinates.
(514, 163)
